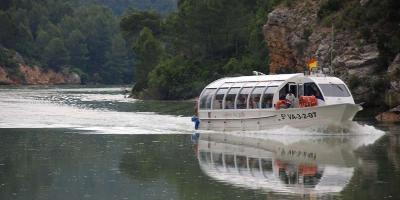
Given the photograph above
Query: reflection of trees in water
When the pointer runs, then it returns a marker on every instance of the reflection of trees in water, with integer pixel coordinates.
(378, 175)
(21, 160)
(393, 150)
(32, 159)
(172, 158)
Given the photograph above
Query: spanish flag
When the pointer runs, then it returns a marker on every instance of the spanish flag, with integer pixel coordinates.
(313, 63)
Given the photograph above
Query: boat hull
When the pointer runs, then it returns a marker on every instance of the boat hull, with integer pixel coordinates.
(264, 119)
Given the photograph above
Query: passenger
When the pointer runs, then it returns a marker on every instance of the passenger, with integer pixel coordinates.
(228, 104)
(251, 103)
(256, 102)
(290, 98)
(241, 102)
(217, 104)
(268, 104)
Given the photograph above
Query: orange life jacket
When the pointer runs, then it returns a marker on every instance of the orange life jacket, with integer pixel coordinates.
(279, 104)
(308, 101)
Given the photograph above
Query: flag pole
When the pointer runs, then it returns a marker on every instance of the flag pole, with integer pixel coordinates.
(332, 47)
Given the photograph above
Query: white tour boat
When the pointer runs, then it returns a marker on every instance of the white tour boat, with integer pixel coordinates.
(262, 101)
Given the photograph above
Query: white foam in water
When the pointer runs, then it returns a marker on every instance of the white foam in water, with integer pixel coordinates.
(18, 110)
(361, 134)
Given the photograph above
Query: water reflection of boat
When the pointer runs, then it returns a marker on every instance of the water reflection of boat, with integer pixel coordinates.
(299, 165)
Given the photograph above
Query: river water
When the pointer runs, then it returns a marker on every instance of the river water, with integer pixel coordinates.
(92, 143)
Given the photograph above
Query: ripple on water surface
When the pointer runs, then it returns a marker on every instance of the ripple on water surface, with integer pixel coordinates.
(52, 108)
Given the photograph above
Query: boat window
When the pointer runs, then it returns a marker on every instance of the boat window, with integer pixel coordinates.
(230, 98)
(334, 90)
(205, 100)
(311, 89)
(254, 165)
(241, 102)
(241, 163)
(293, 89)
(205, 157)
(301, 90)
(217, 160)
(267, 97)
(219, 97)
(255, 97)
(290, 87)
(266, 167)
(229, 161)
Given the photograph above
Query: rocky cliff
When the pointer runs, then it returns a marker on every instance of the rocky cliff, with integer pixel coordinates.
(15, 71)
(295, 33)
(27, 75)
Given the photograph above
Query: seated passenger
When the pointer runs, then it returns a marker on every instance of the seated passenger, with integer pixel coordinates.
(217, 104)
(268, 104)
(256, 102)
(290, 98)
(229, 104)
(241, 104)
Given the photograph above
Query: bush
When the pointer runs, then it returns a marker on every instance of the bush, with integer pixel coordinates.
(328, 7)
(6, 59)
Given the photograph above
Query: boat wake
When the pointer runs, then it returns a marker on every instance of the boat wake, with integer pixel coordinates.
(21, 109)
(360, 134)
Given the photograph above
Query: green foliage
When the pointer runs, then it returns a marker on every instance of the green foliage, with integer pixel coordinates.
(6, 59)
(55, 54)
(329, 7)
(119, 7)
(78, 50)
(118, 60)
(377, 21)
(203, 41)
(8, 29)
(67, 34)
(148, 51)
(5, 4)
(134, 21)
(165, 81)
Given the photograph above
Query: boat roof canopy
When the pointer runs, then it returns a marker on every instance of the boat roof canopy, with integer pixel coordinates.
(325, 80)
(252, 80)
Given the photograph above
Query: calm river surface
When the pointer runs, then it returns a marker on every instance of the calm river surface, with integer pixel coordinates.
(92, 143)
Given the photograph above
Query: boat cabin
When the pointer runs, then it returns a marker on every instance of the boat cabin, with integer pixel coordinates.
(271, 92)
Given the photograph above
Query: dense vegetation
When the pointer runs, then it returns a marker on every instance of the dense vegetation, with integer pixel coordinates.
(119, 7)
(75, 35)
(200, 42)
(377, 21)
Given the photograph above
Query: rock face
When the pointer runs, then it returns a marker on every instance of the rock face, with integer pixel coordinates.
(37, 76)
(287, 32)
(294, 35)
(393, 115)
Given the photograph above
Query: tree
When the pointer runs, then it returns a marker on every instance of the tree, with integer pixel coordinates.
(42, 39)
(148, 51)
(25, 43)
(55, 54)
(117, 61)
(77, 48)
(8, 29)
(134, 21)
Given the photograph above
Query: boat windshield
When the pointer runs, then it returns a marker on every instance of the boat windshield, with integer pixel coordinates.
(334, 90)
